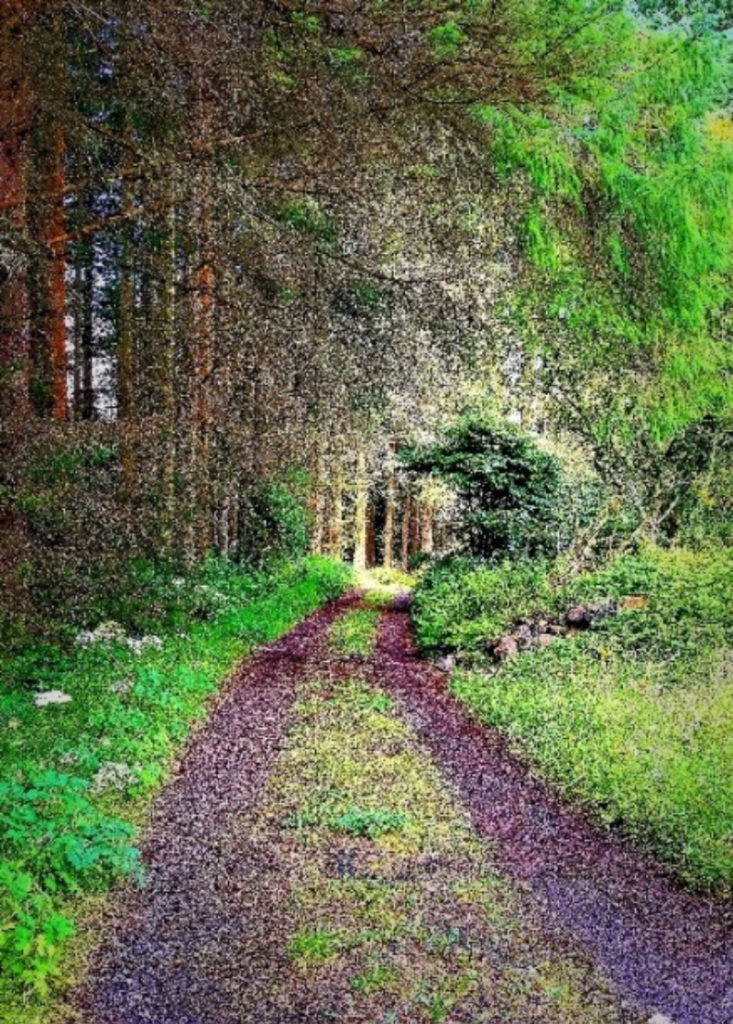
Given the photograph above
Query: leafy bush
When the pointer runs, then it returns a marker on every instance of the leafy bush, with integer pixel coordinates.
(275, 522)
(462, 604)
(508, 489)
(32, 932)
(61, 835)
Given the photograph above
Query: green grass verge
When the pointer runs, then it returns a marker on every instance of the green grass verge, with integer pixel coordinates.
(636, 716)
(355, 633)
(76, 778)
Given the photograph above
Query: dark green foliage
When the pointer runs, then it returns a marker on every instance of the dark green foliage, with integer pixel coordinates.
(306, 215)
(696, 15)
(275, 521)
(508, 488)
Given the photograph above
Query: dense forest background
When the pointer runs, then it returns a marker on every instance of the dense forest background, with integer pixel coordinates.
(251, 252)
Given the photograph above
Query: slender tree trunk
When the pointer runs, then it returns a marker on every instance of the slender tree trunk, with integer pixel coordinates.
(15, 408)
(166, 350)
(49, 372)
(318, 498)
(87, 334)
(406, 530)
(360, 511)
(390, 513)
(78, 292)
(371, 536)
(427, 542)
(204, 295)
(415, 527)
(126, 355)
(336, 529)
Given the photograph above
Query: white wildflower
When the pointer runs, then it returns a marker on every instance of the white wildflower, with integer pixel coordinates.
(42, 700)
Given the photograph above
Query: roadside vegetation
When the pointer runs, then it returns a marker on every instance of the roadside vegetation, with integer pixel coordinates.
(91, 729)
(633, 716)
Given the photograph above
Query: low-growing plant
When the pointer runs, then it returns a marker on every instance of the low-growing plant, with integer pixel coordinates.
(355, 633)
(371, 823)
(62, 836)
(74, 778)
(32, 931)
(635, 717)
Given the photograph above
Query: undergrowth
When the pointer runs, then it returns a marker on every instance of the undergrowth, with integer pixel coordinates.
(76, 777)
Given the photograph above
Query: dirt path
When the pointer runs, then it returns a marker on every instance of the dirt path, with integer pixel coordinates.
(672, 952)
(308, 863)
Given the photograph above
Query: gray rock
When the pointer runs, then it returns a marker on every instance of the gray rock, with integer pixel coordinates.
(523, 637)
(506, 648)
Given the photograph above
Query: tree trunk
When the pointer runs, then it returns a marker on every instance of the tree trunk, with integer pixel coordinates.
(318, 498)
(126, 356)
(390, 512)
(49, 335)
(204, 294)
(360, 511)
(336, 526)
(406, 530)
(426, 530)
(15, 407)
(165, 374)
(371, 536)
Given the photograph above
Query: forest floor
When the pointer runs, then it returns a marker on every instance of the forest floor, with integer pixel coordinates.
(343, 842)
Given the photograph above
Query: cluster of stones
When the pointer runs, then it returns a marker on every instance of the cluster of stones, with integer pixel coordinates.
(531, 634)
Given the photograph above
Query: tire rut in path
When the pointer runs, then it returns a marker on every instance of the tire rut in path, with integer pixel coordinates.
(203, 880)
(669, 951)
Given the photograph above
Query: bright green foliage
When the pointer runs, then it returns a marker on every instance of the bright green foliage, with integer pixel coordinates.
(508, 488)
(447, 38)
(355, 632)
(52, 825)
(314, 947)
(372, 823)
(636, 716)
(32, 932)
(75, 778)
(465, 605)
(306, 215)
(630, 222)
